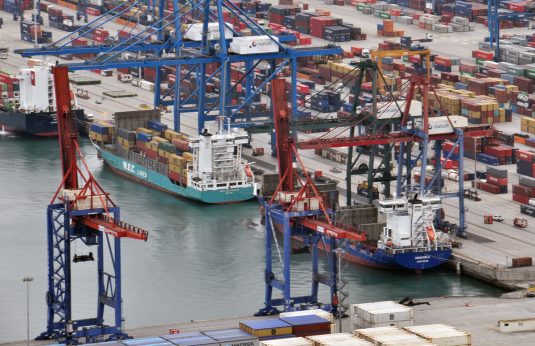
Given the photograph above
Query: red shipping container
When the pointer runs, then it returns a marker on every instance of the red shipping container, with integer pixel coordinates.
(494, 189)
(174, 176)
(523, 155)
(523, 190)
(92, 11)
(496, 181)
(151, 154)
(521, 199)
(442, 61)
(479, 54)
(181, 144)
(498, 151)
(449, 164)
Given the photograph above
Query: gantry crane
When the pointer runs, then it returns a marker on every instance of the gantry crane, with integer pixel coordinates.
(302, 214)
(82, 211)
(494, 18)
(205, 58)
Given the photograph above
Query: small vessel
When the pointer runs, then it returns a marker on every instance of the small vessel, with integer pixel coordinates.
(207, 168)
(27, 103)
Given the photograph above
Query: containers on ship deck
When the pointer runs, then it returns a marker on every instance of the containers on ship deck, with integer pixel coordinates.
(308, 325)
(298, 341)
(338, 339)
(189, 339)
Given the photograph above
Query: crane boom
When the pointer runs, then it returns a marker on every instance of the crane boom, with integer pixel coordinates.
(66, 131)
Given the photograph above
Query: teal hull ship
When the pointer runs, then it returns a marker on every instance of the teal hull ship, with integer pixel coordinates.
(139, 173)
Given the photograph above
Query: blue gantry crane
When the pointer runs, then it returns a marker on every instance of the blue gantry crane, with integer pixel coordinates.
(82, 211)
(199, 39)
(494, 17)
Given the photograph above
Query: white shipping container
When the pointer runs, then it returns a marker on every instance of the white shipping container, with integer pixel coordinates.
(254, 45)
(389, 110)
(338, 339)
(385, 311)
(359, 323)
(385, 336)
(440, 125)
(318, 312)
(287, 342)
(194, 32)
(146, 85)
(442, 334)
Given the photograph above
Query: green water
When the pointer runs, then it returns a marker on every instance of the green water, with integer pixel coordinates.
(201, 261)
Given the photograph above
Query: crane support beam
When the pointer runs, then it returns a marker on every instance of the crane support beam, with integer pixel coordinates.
(105, 48)
(118, 230)
(331, 230)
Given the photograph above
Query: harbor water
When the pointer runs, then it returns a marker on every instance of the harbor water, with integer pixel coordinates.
(200, 262)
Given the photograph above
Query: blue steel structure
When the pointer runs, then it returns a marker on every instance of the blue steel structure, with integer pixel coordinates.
(81, 12)
(191, 58)
(494, 18)
(288, 223)
(82, 212)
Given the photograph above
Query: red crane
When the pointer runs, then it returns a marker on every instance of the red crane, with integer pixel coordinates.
(90, 194)
(82, 211)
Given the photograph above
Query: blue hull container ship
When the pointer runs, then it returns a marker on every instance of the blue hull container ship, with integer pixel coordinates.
(408, 240)
(27, 103)
(208, 168)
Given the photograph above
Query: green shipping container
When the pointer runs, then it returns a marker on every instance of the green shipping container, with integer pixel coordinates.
(166, 146)
(530, 73)
(361, 7)
(382, 14)
(516, 71)
(480, 61)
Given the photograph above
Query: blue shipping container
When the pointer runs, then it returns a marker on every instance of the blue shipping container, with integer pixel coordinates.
(143, 137)
(102, 130)
(157, 126)
(488, 159)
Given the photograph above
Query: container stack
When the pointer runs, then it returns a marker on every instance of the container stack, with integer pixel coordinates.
(319, 23)
(442, 334)
(503, 153)
(380, 314)
(31, 32)
(525, 163)
(386, 336)
(525, 105)
(387, 29)
(524, 191)
(126, 139)
(326, 102)
(496, 182)
(101, 132)
(527, 124)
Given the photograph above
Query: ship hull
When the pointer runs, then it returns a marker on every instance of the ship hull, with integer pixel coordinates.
(43, 124)
(161, 182)
(370, 256)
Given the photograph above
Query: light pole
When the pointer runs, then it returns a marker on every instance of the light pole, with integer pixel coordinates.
(27, 280)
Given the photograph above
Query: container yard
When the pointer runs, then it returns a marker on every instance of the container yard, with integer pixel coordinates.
(334, 172)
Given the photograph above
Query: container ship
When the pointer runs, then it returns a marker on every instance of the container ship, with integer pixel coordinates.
(28, 103)
(408, 240)
(208, 168)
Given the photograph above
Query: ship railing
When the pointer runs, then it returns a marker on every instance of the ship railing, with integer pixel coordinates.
(144, 161)
(411, 249)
